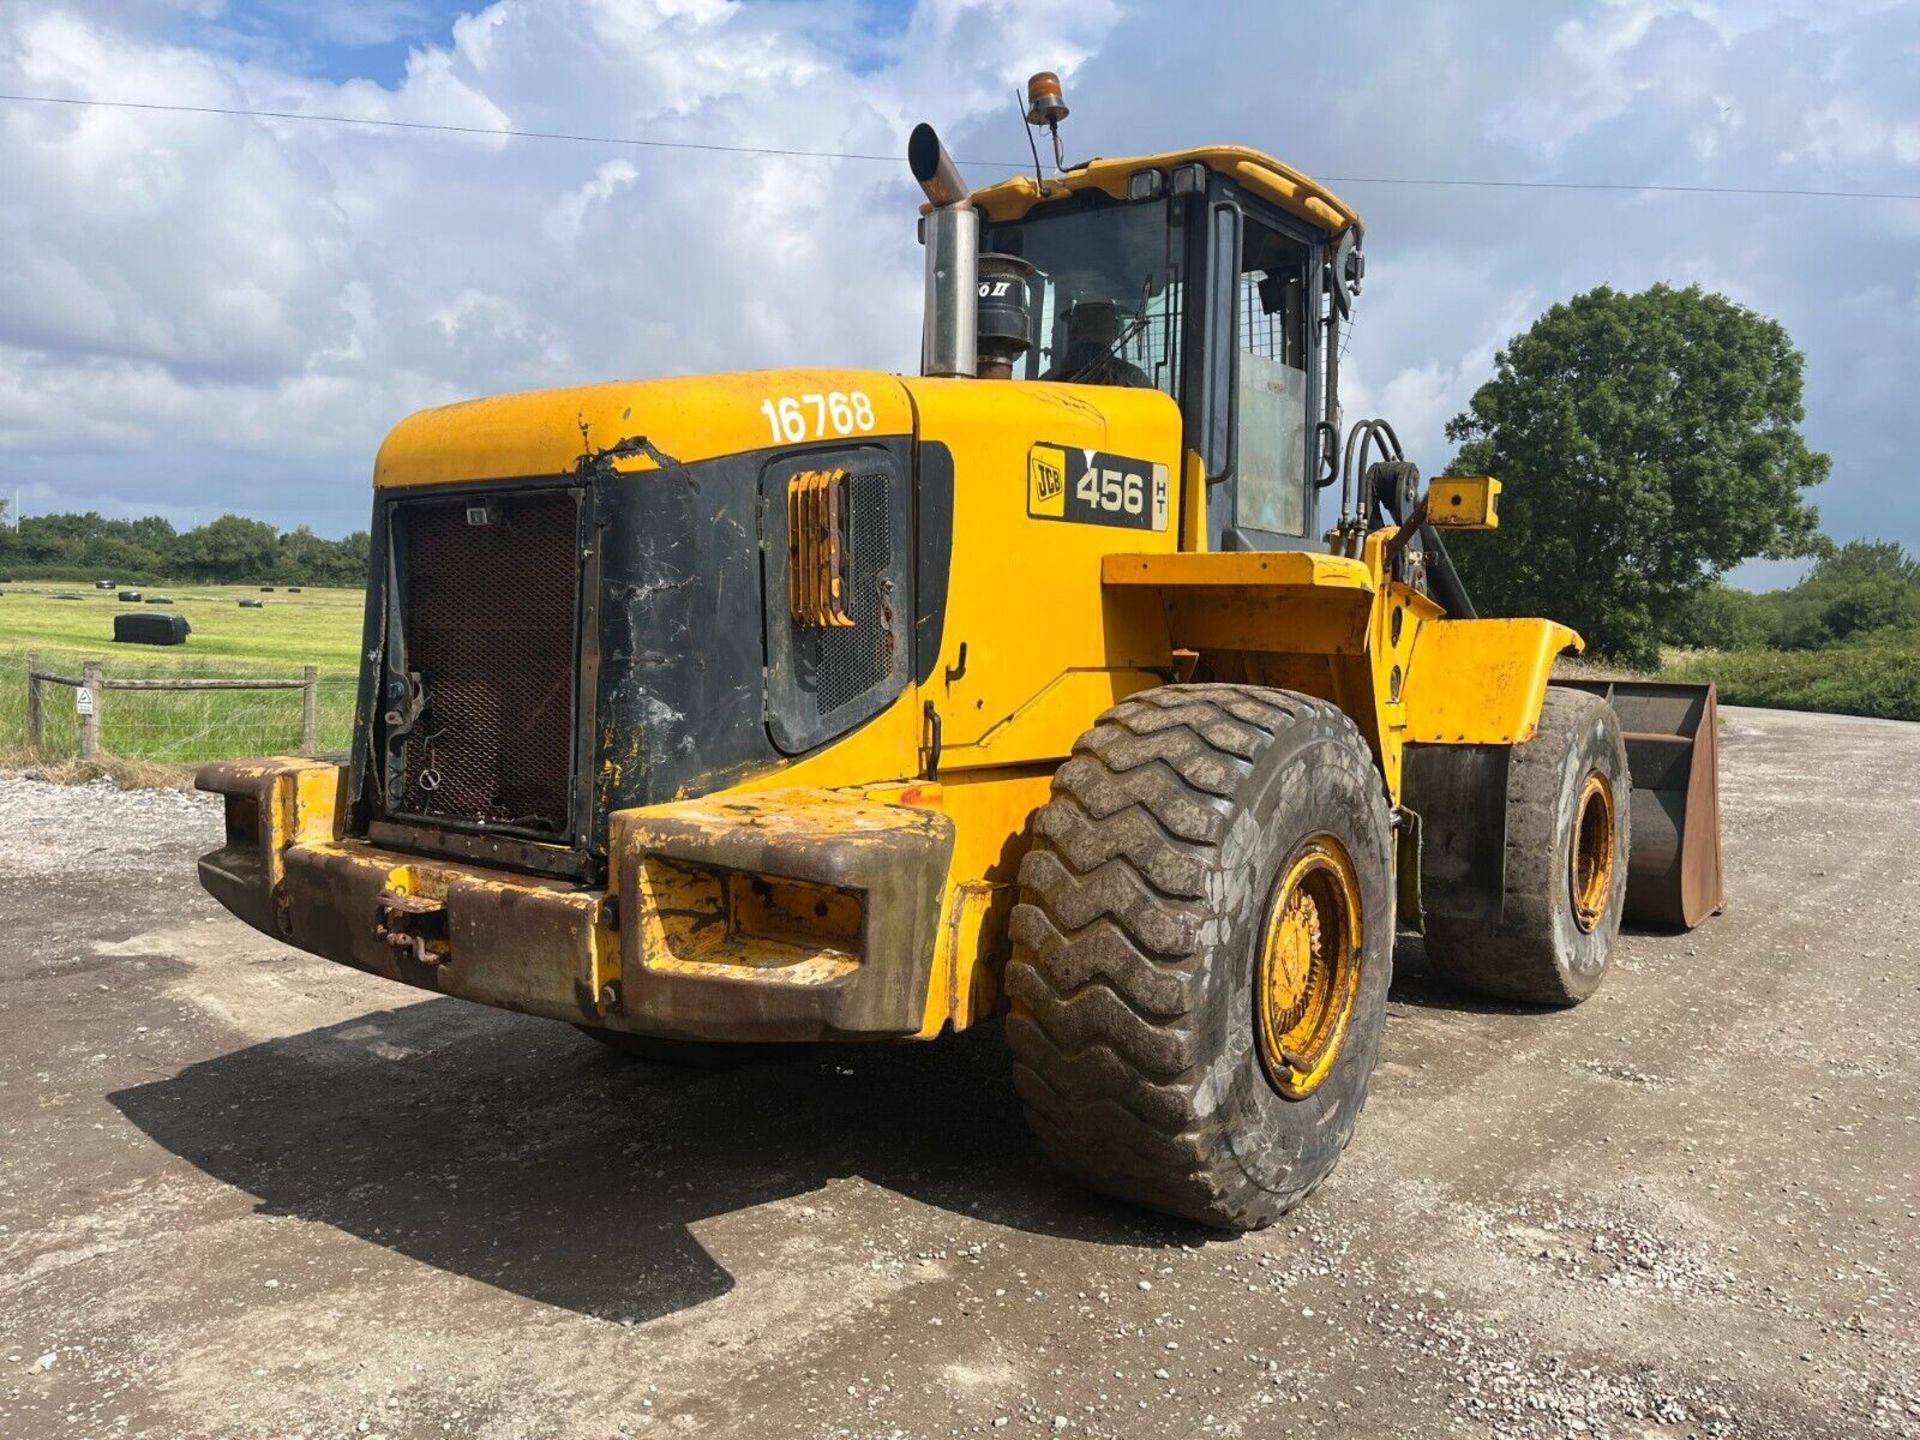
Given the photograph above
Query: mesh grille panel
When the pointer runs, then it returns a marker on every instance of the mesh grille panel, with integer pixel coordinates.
(490, 613)
(861, 655)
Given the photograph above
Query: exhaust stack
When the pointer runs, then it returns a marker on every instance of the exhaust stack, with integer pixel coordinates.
(949, 337)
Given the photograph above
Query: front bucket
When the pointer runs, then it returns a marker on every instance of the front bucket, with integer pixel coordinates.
(1673, 868)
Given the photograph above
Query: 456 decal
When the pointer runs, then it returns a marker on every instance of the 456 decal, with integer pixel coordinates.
(1091, 487)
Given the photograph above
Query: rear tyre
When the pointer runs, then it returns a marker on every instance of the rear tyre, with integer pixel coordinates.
(1202, 951)
(1568, 794)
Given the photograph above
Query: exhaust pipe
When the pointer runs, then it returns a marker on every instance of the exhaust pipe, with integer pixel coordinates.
(949, 336)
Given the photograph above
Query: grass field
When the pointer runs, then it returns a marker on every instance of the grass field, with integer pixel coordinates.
(315, 627)
(321, 627)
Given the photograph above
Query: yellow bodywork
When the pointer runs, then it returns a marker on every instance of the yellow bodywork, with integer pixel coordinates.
(1464, 502)
(1300, 195)
(1046, 624)
(546, 432)
(1058, 622)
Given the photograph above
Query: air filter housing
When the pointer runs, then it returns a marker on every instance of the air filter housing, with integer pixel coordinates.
(1004, 319)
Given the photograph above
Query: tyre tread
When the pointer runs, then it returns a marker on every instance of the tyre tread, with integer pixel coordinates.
(1109, 945)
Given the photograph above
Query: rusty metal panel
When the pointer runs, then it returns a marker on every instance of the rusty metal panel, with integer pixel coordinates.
(783, 915)
(493, 937)
(816, 548)
(1674, 871)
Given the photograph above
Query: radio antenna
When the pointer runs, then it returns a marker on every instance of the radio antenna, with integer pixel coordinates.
(1032, 144)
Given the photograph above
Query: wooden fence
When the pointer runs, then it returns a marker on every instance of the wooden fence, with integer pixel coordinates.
(91, 685)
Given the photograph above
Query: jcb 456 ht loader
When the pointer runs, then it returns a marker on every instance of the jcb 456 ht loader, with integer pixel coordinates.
(1048, 684)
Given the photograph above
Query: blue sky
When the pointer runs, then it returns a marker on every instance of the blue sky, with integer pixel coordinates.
(199, 313)
(367, 39)
(342, 40)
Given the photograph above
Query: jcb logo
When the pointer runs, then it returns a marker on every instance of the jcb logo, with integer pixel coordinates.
(1046, 481)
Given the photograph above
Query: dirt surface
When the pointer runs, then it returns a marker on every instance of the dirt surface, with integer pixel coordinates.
(247, 1193)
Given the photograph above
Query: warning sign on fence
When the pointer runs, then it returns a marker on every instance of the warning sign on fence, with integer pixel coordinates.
(82, 700)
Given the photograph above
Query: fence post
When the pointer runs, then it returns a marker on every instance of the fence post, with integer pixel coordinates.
(36, 722)
(310, 710)
(90, 716)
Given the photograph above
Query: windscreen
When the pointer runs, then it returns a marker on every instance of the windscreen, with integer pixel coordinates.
(1106, 294)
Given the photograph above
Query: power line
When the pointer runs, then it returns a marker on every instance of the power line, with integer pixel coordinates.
(485, 130)
(1626, 185)
(784, 152)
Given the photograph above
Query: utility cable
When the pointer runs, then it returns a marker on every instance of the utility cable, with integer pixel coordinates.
(790, 152)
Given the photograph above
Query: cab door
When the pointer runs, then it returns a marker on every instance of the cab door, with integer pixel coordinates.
(1260, 394)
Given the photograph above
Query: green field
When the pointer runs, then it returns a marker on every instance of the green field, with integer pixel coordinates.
(315, 627)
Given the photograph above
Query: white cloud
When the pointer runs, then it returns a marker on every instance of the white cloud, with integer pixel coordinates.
(206, 300)
(1729, 93)
(198, 311)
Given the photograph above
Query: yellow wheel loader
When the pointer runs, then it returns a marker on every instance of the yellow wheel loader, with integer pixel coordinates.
(1097, 678)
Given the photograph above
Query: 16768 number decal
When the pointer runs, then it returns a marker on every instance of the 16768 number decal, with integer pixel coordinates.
(794, 418)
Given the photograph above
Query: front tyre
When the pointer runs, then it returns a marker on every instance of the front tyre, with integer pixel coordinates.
(1202, 951)
(1568, 803)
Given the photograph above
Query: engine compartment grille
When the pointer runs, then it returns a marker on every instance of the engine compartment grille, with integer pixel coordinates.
(824, 679)
(489, 604)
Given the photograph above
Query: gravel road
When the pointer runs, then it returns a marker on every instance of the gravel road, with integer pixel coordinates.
(247, 1193)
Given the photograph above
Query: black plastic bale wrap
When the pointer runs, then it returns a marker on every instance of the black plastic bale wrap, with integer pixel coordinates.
(150, 627)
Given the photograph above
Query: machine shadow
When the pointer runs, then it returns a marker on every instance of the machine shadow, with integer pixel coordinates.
(519, 1153)
(1415, 984)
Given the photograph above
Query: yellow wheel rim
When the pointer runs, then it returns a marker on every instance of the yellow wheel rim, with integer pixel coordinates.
(1309, 968)
(1590, 858)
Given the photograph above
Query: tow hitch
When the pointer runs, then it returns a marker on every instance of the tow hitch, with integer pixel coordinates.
(415, 925)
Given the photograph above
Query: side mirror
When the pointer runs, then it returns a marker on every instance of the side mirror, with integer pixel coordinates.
(1349, 268)
(1463, 502)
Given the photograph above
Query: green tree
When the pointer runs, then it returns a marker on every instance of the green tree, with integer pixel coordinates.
(1867, 560)
(1721, 617)
(346, 565)
(231, 549)
(1855, 589)
(1648, 443)
(307, 559)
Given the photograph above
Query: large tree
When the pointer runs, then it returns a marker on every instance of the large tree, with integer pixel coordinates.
(231, 549)
(1647, 444)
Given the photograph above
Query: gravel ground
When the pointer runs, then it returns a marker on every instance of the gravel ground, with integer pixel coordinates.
(247, 1193)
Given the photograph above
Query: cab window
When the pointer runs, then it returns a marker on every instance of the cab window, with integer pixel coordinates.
(1106, 294)
(1273, 380)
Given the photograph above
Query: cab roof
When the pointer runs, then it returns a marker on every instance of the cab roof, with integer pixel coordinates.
(1271, 179)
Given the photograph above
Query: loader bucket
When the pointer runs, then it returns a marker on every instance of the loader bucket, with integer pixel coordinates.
(1673, 868)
